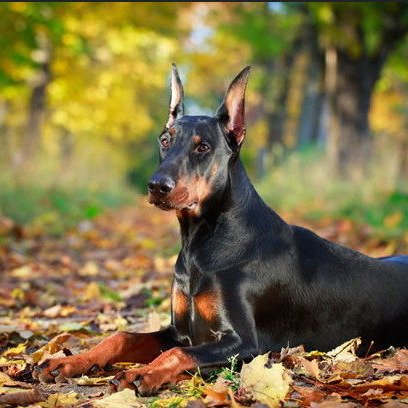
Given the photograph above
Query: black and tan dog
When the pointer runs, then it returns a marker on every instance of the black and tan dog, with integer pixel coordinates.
(245, 281)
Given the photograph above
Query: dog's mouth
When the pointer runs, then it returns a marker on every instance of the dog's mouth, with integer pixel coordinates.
(168, 205)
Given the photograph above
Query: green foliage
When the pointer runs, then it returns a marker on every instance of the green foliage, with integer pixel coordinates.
(231, 373)
(56, 209)
(316, 194)
(358, 27)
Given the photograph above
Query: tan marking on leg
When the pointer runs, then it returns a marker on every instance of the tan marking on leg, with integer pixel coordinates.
(207, 304)
(180, 303)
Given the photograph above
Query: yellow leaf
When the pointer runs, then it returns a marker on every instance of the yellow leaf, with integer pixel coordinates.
(6, 362)
(268, 385)
(92, 291)
(22, 272)
(89, 269)
(122, 399)
(393, 220)
(52, 347)
(85, 380)
(59, 399)
(15, 351)
(6, 380)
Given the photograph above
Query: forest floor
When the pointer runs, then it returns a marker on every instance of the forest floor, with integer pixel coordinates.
(66, 293)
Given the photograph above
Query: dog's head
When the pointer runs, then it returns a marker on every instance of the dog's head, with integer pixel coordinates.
(195, 151)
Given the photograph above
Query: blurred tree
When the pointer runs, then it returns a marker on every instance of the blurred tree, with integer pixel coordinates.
(269, 37)
(28, 31)
(389, 112)
(84, 71)
(357, 39)
(273, 37)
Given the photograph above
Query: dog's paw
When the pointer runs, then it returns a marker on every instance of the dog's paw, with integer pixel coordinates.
(59, 369)
(142, 381)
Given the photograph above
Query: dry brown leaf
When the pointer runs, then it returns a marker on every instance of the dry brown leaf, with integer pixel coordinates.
(389, 383)
(353, 369)
(217, 394)
(333, 404)
(22, 397)
(309, 394)
(397, 363)
(310, 367)
(395, 404)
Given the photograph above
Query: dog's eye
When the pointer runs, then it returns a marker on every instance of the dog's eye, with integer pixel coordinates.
(202, 148)
(165, 142)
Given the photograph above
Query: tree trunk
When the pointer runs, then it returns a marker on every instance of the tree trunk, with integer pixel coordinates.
(313, 99)
(349, 84)
(36, 107)
(403, 164)
(4, 153)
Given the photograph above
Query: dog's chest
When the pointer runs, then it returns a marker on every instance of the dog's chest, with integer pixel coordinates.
(196, 307)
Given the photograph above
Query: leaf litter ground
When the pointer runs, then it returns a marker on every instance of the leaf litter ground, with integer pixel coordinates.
(62, 295)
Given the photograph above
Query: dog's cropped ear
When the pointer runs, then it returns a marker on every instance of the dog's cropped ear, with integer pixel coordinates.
(176, 102)
(231, 112)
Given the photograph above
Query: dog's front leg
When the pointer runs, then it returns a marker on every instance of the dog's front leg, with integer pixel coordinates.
(238, 337)
(120, 347)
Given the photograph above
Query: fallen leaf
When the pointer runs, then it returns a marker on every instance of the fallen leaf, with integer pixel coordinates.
(59, 311)
(55, 345)
(92, 291)
(309, 394)
(395, 404)
(85, 380)
(22, 397)
(121, 399)
(58, 399)
(216, 394)
(397, 363)
(15, 351)
(333, 404)
(392, 382)
(5, 380)
(346, 351)
(268, 385)
(22, 272)
(153, 322)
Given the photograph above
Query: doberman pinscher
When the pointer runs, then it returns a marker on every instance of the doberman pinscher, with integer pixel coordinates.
(245, 281)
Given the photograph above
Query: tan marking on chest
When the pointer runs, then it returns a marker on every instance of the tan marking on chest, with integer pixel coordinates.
(179, 303)
(207, 304)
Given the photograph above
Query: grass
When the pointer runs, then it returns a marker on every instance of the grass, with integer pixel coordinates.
(302, 184)
(57, 209)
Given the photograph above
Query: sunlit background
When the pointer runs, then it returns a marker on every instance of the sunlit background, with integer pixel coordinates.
(84, 91)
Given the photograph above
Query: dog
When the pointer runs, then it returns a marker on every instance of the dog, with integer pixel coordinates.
(245, 281)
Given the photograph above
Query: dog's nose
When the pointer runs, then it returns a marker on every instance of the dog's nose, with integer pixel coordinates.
(160, 185)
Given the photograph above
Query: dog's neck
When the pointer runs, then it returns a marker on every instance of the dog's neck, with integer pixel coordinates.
(237, 202)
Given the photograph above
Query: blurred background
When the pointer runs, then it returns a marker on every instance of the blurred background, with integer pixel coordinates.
(84, 91)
